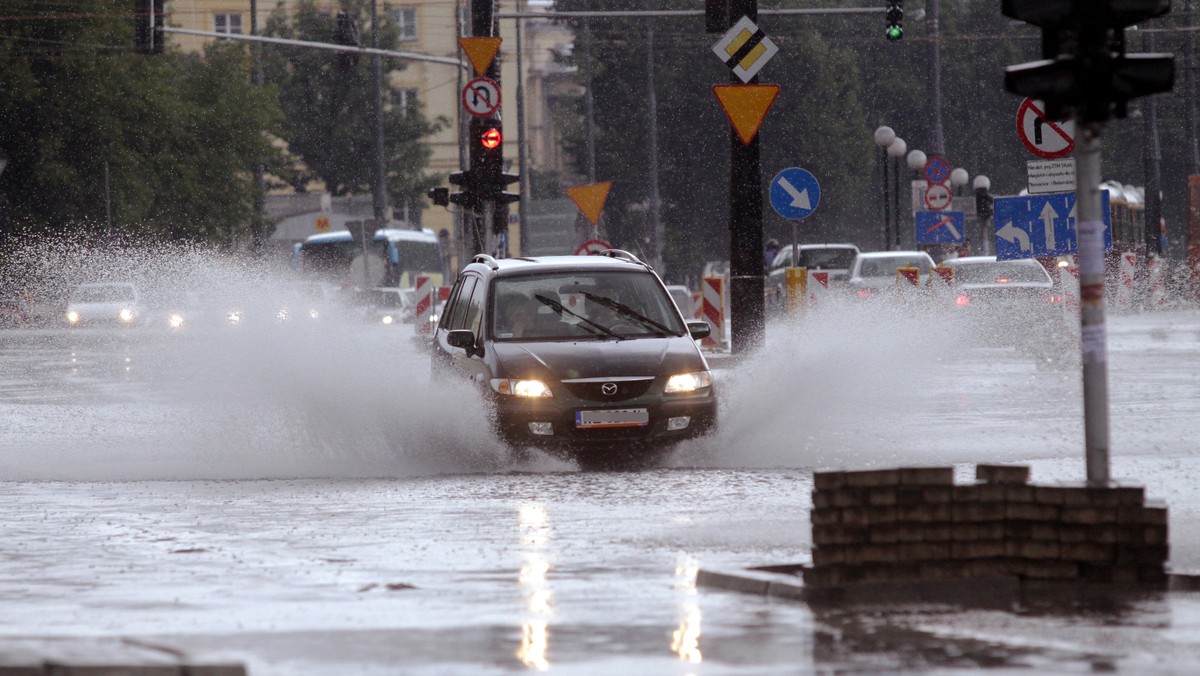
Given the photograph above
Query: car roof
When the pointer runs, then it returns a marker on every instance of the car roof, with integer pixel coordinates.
(977, 260)
(506, 267)
(890, 254)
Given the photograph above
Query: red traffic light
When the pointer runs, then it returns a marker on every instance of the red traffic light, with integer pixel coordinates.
(491, 139)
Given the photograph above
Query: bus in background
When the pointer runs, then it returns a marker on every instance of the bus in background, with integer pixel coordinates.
(395, 258)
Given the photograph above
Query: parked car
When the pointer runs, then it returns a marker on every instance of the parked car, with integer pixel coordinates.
(875, 272)
(585, 356)
(835, 259)
(1007, 301)
(683, 299)
(105, 303)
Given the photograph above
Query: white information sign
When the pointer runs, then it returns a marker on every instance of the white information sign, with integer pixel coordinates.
(1047, 176)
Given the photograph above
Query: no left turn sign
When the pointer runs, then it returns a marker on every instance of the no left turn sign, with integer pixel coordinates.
(1045, 138)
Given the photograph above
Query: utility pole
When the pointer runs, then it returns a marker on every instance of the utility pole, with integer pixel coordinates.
(652, 129)
(379, 200)
(937, 139)
(260, 181)
(1152, 156)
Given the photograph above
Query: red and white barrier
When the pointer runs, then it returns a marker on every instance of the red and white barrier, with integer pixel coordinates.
(1125, 272)
(817, 287)
(697, 306)
(1157, 291)
(712, 309)
(1068, 280)
(425, 295)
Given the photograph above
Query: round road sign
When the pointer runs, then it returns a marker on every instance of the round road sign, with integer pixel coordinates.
(937, 197)
(481, 97)
(1042, 137)
(937, 169)
(592, 247)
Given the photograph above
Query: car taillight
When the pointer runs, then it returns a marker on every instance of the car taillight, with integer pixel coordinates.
(962, 301)
(1002, 280)
(1054, 299)
(863, 293)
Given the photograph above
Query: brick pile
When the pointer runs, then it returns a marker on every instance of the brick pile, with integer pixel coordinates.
(917, 524)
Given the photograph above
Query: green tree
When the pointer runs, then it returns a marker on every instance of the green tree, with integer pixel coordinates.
(176, 133)
(327, 108)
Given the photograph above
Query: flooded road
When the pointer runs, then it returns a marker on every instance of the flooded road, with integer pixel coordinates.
(306, 502)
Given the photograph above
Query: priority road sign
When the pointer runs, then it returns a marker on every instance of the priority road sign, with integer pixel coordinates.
(795, 193)
(1033, 226)
(481, 97)
(745, 48)
(940, 227)
(1041, 136)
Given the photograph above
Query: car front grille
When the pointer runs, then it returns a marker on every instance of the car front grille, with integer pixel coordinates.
(615, 389)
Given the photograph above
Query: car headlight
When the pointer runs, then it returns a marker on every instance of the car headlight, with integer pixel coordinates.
(433, 319)
(73, 317)
(387, 319)
(175, 320)
(282, 315)
(313, 313)
(689, 382)
(521, 388)
(234, 316)
(125, 315)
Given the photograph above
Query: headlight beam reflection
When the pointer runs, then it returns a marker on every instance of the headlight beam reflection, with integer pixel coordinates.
(539, 598)
(685, 640)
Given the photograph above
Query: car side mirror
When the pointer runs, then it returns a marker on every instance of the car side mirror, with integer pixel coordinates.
(699, 329)
(464, 338)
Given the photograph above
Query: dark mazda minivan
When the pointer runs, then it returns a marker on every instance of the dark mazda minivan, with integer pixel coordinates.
(584, 356)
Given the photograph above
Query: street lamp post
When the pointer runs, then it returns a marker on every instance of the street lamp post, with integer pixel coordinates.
(896, 150)
(916, 161)
(959, 178)
(983, 209)
(884, 136)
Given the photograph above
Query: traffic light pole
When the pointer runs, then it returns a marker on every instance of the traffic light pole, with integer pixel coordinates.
(1091, 301)
(745, 226)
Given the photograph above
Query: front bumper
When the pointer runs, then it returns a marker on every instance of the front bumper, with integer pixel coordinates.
(513, 416)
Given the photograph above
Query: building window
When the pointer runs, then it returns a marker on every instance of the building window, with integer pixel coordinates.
(229, 23)
(405, 19)
(405, 100)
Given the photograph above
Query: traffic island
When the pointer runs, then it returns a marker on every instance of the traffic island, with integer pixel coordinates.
(912, 534)
(99, 656)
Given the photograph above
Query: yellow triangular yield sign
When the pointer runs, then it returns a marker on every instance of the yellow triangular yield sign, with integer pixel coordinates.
(746, 106)
(480, 51)
(590, 199)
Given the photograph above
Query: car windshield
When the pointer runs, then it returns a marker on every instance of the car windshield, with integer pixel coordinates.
(999, 272)
(826, 259)
(886, 266)
(107, 293)
(574, 305)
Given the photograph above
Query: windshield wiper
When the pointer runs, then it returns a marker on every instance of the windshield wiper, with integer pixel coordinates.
(560, 309)
(629, 312)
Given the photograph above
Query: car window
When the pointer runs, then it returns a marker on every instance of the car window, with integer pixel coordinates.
(577, 305)
(112, 293)
(992, 272)
(886, 267)
(475, 308)
(827, 259)
(458, 313)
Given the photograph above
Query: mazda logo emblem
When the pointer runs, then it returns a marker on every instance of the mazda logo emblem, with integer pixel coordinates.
(609, 389)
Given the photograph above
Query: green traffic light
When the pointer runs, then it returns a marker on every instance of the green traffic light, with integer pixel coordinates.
(895, 32)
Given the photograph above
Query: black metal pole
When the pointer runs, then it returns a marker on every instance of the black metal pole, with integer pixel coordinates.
(260, 181)
(887, 200)
(745, 225)
(1153, 156)
(483, 24)
(896, 198)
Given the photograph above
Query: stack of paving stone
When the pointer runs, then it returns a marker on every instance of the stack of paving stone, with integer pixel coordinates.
(917, 524)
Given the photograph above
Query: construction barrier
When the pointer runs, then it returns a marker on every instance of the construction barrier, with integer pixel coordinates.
(1157, 292)
(1068, 281)
(818, 288)
(1125, 271)
(697, 306)
(943, 274)
(712, 310)
(425, 295)
(909, 276)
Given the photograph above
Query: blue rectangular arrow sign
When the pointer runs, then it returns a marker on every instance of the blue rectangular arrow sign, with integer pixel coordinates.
(940, 227)
(1034, 226)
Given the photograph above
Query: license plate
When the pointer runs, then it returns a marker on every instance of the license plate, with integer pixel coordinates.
(612, 417)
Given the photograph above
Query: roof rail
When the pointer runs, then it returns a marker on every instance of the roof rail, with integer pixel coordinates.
(621, 254)
(486, 260)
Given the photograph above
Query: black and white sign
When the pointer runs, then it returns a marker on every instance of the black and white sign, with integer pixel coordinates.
(1047, 176)
(481, 97)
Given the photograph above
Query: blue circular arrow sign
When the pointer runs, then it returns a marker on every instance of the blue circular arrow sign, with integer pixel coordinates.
(795, 193)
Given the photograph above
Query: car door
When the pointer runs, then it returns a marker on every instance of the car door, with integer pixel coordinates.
(463, 311)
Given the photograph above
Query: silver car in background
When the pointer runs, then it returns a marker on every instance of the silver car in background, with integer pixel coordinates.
(105, 303)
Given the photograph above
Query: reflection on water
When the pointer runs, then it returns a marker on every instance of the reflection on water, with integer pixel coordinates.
(539, 598)
(685, 640)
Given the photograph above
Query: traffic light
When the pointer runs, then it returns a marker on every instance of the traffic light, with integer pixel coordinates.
(148, 26)
(346, 33)
(1084, 71)
(895, 19)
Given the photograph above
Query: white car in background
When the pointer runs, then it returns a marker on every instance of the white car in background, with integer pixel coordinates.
(875, 272)
(105, 303)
